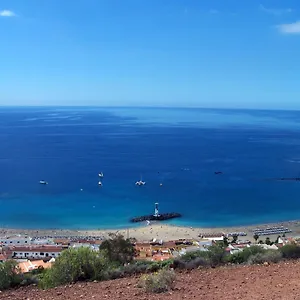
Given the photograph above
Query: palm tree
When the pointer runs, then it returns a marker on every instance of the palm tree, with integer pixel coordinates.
(234, 238)
(225, 240)
(268, 241)
(256, 237)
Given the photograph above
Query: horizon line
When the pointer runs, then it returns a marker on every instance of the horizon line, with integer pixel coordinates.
(147, 107)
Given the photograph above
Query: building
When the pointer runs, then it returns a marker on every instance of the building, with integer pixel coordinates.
(15, 240)
(62, 241)
(35, 252)
(28, 266)
(2, 258)
(234, 248)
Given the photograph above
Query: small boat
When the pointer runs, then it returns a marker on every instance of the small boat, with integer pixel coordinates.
(140, 182)
(100, 183)
(101, 175)
(43, 182)
(218, 172)
(160, 184)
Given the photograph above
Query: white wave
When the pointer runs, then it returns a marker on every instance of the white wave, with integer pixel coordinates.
(31, 119)
(295, 161)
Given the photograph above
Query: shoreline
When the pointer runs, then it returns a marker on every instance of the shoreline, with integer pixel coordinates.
(157, 230)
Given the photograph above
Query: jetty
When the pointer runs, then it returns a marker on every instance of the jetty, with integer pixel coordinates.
(156, 216)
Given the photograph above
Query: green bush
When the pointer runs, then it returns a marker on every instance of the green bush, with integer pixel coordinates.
(192, 264)
(291, 251)
(75, 265)
(132, 269)
(9, 275)
(28, 279)
(159, 282)
(117, 249)
(270, 256)
(216, 254)
(243, 256)
(189, 256)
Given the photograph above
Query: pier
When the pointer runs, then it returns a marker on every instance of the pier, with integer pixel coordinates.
(156, 216)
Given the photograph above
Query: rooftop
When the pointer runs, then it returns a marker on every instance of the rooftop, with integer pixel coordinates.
(28, 265)
(38, 248)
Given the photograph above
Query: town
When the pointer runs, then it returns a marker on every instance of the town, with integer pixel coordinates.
(32, 253)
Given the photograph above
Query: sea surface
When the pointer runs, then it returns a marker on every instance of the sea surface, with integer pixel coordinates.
(180, 148)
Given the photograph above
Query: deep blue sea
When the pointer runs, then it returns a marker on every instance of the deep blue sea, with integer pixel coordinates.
(180, 148)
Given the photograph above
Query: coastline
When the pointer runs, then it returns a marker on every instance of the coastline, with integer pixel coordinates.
(162, 231)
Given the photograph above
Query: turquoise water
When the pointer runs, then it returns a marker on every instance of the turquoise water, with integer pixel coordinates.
(181, 148)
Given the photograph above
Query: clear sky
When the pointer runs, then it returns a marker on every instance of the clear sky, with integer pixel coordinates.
(206, 53)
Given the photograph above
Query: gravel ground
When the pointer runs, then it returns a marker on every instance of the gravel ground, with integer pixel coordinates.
(278, 281)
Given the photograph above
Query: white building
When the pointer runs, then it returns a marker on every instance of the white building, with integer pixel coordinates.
(15, 240)
(35, 252)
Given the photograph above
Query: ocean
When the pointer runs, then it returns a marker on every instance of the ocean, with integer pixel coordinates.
(180, 148)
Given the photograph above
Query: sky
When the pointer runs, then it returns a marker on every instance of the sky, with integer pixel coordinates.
(191, 53)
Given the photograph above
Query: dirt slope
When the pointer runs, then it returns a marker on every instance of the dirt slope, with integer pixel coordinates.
(279, 281)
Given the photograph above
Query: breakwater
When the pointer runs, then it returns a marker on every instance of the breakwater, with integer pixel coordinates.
(160, 217)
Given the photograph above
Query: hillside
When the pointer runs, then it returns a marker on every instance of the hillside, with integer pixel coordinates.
(278, 281)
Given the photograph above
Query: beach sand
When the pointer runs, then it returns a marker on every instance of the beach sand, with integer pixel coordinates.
(157, 230)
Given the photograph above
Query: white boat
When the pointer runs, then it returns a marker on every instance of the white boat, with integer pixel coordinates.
(100, 183)
(140, 183)
(43, 182)
(101, 175)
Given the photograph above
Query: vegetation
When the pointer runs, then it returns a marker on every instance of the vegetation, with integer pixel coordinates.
(225, 241)
(75, 265)
(216, 254)
(268, 241)
(269, 256)
(115, 260)
(234, 238)
(159, 282)
(117, 249)
(290, 251)
(243, 256)
(189, 256)
(9, 275)
(256, 237)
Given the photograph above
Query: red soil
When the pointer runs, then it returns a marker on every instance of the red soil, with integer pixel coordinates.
(278, 281)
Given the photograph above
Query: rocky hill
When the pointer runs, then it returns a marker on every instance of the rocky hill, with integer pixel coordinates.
(278, 281)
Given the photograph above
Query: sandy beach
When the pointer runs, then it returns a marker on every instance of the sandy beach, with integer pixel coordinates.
(157, 230)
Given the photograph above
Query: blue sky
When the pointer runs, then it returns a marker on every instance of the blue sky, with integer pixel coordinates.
(206, 53)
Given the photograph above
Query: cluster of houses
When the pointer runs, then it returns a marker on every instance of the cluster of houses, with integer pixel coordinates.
(34, 253)
(239, 245)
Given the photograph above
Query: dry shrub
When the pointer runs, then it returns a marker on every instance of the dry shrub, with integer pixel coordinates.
(159, 282)
(270, 256)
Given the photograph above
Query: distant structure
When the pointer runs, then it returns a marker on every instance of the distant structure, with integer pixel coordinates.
(218, 173)
(156, 216)
(15, 240)
(156, 213)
